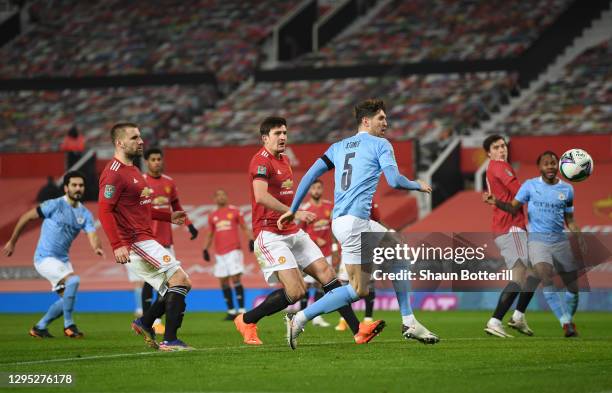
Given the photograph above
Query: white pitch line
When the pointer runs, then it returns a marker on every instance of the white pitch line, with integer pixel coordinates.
(313, 344)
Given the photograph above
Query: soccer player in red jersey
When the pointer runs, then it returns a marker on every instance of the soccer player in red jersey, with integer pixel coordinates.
(229, 260)
(320, 232)
(165, 199)
(281, 253)
(511, 239)
(125, 212)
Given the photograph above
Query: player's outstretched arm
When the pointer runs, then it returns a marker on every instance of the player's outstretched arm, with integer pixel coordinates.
(510, 207)
(400, 182)
(26, 217)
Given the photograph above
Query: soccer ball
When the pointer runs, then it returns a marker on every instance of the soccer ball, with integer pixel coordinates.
(576, 165)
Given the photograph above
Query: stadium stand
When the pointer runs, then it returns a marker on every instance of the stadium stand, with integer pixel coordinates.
(99, 38)
(38, 120)
(578, 102)
(420, 30)
(420, 106)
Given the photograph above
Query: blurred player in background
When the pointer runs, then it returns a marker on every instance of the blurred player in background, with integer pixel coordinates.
(320, 232)
(282, 253)
(63, 219)
(125, 213)
(511, 239)
(223, 226)
(165, 198)
(550, 205)
(358, 162)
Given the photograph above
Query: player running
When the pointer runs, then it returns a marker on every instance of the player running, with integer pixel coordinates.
(511, 239)
(63, 219)
(282, 253)
(319, 231)
(229, 260)
(165, 199)
(550, 207)
(125, 213)
(358, 162)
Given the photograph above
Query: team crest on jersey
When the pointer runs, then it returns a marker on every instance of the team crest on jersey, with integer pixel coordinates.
(561, 197)
(166, 258)
(508, 172)
(327, 213)
(146, 192)
(282, 260)
(287, 183)
(229, 216)
(168, 189)
(80, 220)
(262, 170)
(109, 191)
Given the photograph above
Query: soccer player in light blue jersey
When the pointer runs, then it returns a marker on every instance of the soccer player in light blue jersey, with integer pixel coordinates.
(550, 207)
(358, 162)
(63, 219)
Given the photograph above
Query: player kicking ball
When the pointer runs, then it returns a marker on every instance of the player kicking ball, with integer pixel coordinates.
(550, 206)
(125, 213)
(358, 162)
(63, 219)
(283, 253)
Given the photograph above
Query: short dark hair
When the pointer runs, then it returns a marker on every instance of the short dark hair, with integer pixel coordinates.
(119, 128)
(317, 181)
(152, 150)
(368, 108)
(271, 122)
(547, 153)
(71, 175)
(491, 139)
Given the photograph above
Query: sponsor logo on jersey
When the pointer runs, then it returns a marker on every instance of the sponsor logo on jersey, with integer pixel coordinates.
(146, 192)
(161, 200)
(109, 191)
(287, 183)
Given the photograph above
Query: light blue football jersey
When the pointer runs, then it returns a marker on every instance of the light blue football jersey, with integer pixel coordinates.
(546, 208)
(358, 161)
(61, 225)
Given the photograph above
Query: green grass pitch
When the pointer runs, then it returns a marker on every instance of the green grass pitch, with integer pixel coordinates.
(112, 359)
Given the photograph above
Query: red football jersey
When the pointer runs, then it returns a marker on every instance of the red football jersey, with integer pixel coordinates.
(165, 199)
(224, 223)
(125, 205)
(320, 228)
(279, 176)
(503, 184)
